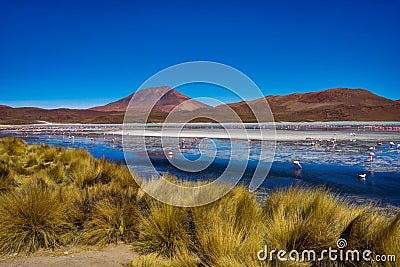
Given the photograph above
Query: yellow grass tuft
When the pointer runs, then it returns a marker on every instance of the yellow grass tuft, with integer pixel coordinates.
(34, 218)
(164, 230)
(111, 221)
(304, 218)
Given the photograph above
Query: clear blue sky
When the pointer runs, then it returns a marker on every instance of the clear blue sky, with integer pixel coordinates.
(87, 52)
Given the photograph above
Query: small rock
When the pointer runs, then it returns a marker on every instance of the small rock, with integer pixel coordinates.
(65, 252)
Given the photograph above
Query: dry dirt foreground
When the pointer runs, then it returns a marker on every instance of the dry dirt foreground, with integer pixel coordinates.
(110, 256)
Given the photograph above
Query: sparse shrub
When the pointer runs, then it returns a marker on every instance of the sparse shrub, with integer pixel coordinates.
(31, 160)
(107, 171)
(49, 154)
(85, 199)
(164, 230)
(7, 181)
(230, 228)
(12, 146)
(301, 218)
(83, 173)
(39, 178)
(56, 172)
(122, 178)
(34, 218)
(69, 156)
(112, 220)
(376, 232)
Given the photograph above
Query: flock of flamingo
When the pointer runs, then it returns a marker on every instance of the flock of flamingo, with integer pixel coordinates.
(332, 141)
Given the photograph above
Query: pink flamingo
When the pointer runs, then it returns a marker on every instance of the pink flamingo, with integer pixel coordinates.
(371, 156)
(297, 163)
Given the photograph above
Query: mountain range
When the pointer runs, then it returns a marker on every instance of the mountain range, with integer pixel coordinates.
(338, 104)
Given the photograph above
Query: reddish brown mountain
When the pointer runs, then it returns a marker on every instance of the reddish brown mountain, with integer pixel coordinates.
(165, 99)
(340, 104)
(9, 115)
(119, 105)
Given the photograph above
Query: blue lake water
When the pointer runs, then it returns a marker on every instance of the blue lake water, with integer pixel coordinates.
(334, 165)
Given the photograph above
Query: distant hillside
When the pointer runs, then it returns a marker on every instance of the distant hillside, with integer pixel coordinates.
(339, 104)
(26, 115)
(165, 97)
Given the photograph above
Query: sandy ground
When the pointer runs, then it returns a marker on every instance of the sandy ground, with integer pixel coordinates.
(110, 256)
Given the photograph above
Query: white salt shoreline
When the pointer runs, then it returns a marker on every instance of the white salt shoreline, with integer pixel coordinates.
(265, 135)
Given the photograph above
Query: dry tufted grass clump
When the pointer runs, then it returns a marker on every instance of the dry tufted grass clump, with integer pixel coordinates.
(35, 217)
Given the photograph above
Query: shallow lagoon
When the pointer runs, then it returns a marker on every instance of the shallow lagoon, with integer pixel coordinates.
(324, 164)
